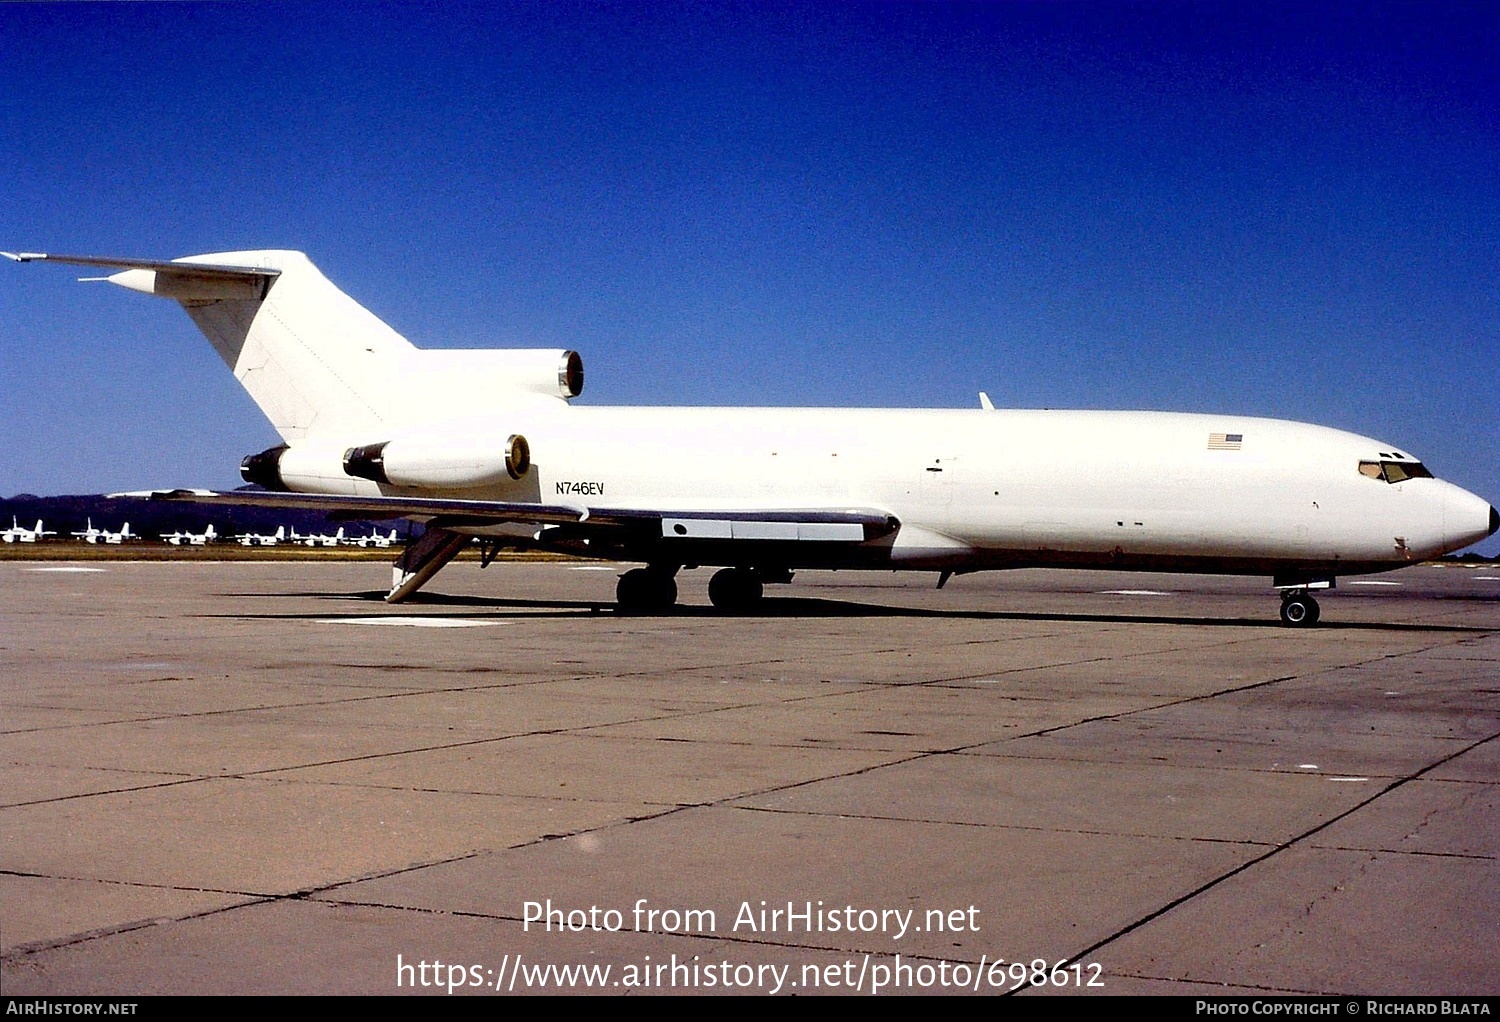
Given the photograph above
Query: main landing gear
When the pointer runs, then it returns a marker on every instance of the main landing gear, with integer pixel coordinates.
(1298, 609)
(736, 589)
(653, 589)
(648, 590)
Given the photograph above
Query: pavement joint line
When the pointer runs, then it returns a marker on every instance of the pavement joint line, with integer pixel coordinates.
(112, 882)
(1472, 856)
(22, 951)
(1024, 828)
(110, 791)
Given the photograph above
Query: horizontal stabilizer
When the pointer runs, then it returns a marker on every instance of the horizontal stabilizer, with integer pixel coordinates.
(185, 268)
(184, 280)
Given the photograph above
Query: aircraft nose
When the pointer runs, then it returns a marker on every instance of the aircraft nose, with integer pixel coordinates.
(1467, 518)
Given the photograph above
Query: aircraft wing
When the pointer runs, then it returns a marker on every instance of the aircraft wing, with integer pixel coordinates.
(796, 524)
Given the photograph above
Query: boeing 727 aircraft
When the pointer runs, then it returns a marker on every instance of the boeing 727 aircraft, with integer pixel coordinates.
(486, 444)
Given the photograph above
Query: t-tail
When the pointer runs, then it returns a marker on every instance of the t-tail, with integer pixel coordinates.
(318, 364)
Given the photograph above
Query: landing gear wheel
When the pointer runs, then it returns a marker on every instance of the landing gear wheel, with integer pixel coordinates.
(645, 591)
(735, 589)
(1299, 610)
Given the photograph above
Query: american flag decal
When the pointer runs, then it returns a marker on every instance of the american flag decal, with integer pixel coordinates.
(1225, 441)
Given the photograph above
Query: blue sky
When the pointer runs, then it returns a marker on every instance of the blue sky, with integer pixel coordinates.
(1277, 209)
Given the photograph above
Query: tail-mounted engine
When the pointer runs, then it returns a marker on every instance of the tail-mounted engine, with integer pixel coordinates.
(478, 377)
(440, 464)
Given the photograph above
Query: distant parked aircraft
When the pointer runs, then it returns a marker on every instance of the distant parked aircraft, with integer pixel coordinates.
(261, 539)
(190, 538)
(90, 534)
(16, 534)
(116, 538)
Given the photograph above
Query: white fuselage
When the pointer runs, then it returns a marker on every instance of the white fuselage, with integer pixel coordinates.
(975, 489)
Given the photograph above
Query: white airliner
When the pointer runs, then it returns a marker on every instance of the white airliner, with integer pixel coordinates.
(375, 539)
(21, 534)
(485, 444)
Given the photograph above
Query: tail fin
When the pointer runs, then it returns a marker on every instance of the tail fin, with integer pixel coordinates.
(319, 364)
(315, 361)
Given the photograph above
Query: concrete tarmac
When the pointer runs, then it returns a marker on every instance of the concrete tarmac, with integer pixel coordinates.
(257, 778)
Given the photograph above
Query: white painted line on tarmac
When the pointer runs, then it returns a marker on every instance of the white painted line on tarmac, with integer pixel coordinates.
(408, 622)
(1365, 583)
(69, 570)
(1133, 592)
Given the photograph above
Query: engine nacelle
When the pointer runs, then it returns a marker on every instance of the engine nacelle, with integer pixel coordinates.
(460, 375)
(440, 464)
(431, 462)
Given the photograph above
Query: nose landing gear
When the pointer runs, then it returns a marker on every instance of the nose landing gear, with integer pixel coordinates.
(1299, 609)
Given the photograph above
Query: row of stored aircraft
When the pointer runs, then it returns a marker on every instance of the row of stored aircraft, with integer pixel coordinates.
(487, 443)
(89, 534)
(319, 539)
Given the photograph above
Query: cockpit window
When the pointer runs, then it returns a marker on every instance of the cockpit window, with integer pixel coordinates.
(1394, 471)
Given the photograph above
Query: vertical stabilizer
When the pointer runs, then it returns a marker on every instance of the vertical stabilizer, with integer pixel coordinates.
(316, 361)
